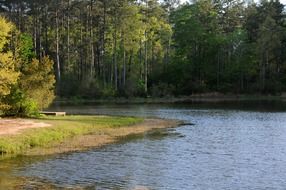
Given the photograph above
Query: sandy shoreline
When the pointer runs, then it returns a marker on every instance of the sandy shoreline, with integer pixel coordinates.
(98, 138)
(15, 126)
(109, 136)
(78, 143)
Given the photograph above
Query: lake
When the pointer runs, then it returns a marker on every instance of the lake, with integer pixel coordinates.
(234, 145)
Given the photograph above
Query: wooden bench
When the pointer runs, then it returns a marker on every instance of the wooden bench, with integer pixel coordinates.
(53, 113)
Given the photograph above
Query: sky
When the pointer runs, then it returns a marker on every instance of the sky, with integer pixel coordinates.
(282, 1)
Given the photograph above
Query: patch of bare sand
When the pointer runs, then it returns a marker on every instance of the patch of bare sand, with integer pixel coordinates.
(14, 126)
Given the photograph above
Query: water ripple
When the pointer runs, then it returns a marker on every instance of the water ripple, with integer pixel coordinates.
(226, 149)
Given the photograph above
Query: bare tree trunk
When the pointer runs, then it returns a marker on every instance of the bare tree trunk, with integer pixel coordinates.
(168, 50)
(40, 40)
(91, 39)
(151, 65)
(35, 32)
(81, 51)
(46, 30)
(130, 62)
(57, 48)
(140, 61)
(115, 59)
(146, 53)
(103, 44)
(124, 67)
(218, 72)
(146, 64)
(263, 71)
(68, 33)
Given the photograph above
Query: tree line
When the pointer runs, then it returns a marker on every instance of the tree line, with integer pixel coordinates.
(149, 47)
(229, 46)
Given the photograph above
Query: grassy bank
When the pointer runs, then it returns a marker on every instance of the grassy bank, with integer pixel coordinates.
(61, 129)
(73, 133)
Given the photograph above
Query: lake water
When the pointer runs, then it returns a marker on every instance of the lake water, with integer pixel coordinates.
(231, 146)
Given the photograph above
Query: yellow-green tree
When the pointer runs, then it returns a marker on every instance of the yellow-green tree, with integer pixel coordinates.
(37, 81)
(27, 84)
(34, 89)
(8, 75)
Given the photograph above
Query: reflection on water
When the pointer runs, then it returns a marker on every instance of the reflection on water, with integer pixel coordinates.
(225, 149)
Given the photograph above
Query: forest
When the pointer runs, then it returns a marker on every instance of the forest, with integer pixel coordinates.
(139, 48)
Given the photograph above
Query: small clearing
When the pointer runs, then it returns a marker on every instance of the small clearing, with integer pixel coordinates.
(14, 126)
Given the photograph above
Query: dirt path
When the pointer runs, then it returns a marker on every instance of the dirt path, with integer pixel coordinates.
(14, 126)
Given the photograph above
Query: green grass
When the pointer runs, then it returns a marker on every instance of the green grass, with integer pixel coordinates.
(62, 129)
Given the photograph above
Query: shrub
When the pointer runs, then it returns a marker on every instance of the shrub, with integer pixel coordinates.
(162, 89)
(20, 105)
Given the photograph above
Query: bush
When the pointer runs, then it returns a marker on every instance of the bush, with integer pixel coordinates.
(134, 87)
(37, 81)
(162, 90)
(20, 105)
(88, 88)
(108, 91)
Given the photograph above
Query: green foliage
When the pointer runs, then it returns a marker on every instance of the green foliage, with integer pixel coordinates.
(110, 48)
(37, 81)
(227, 47)
(8, 75)
(140, 91)
(108, 91)
(102, 41)
(25, 49)
(20, 105)
(5, 32)
(162, 90)
(27, 84)
(134, 87)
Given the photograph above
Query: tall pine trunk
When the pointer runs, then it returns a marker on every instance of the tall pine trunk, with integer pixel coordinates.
(68, 33)
(57, 48)
(115, 60)
(92, 63)
(146, 64)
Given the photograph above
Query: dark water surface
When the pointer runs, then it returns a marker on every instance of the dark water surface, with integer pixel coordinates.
(231, 146)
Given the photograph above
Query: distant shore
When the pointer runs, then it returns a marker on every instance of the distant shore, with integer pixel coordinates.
(72, 133)
(206, 97)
